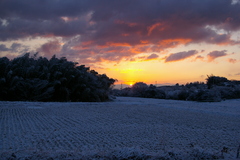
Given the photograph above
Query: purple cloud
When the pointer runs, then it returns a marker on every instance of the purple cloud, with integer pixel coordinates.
(14, 47)
(115, 30)
(216, 54)
(152, 56)
(180, 56)
(3, 48)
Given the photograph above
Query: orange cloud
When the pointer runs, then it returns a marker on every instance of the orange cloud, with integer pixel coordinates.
(83, 45)
(144, 41)
(117, 44)
(135, 50)
(171, 43)
(154, 26)
(199, 57)
(86, 43)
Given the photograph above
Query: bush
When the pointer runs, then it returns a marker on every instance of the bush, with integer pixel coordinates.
(228, 92)
(208, 96)
(138, 89)
(40, 79)
(154, 92)
(183, 95)
(172, 94)
(237, 93)
(160, 94)
(215, 80)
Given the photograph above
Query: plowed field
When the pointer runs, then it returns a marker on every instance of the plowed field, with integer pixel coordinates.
(126, 126)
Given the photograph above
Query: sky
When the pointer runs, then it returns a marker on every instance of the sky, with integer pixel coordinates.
(153, 41)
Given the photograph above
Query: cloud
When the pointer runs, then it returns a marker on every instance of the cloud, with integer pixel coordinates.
(152, 56)
(139, 19)
(50, 48)
(199, 57)
(216, 54)
(3, 47)
(180, 56)
(116, 30)
(14, 47)
(231, 60)
(203, 76)
(235, 2)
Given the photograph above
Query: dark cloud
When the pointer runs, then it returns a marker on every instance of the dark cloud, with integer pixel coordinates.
(216, 54)
(110, 30)
(3, 48)
(43, 9)
(21, 28)
(14, 47)
(157, 21)
(180, 56)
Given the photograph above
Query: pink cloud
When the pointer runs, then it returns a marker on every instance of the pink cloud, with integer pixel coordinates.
(50, 48)
(216, 54)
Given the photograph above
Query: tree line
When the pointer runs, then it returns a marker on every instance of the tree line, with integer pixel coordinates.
(214, 90)
(40, 79)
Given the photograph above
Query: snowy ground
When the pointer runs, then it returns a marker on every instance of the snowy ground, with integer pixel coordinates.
(125, 128)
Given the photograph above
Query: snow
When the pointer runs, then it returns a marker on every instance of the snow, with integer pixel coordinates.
(125, 128)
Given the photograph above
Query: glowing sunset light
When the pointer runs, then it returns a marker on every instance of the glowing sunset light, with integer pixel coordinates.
(163, 42)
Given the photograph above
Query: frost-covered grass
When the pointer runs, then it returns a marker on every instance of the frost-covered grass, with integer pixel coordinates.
(127, 128)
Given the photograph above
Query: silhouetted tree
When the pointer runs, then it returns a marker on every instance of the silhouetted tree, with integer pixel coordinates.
(215, 80)
(39, 79)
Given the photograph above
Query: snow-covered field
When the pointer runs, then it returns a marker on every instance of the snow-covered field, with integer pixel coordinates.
(125, 128)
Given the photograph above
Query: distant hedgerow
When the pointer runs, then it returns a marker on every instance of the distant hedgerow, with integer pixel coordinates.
(215, 90)
(39, 79)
